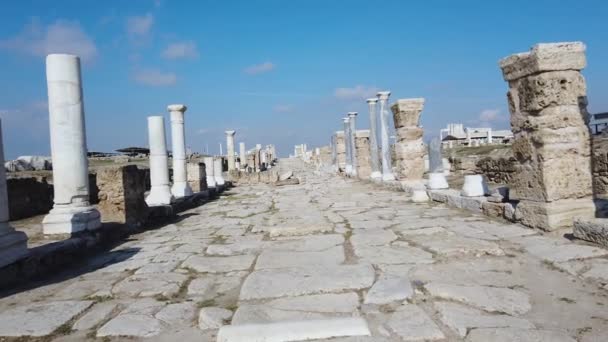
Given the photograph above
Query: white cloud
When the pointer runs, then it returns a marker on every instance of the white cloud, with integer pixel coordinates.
(138, 26)
(358, 92)
(155, 78)
(62, 36)
(185, 49)
(260, 68)
(281, 108)
(489, 115)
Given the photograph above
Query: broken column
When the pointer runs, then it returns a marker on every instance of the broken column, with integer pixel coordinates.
(197, 179)
(230, 149)
(409, 148)
(13, 244)
(548, 105)
(353, 148)
(218, 170)
(243, 155)
(209, 172)
(437, 178)
(71, 211)
(340, 150)
(387, 165)
(373, 140)
(160, 191)
(180, 186)
(348, 169)
(362, 142)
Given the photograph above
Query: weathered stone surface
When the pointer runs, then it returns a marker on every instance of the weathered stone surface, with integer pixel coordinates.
(517, 334)
(121, 195)
(594, 230)
(454, 245)
(131, 325)
(393, 255)
(555, 250)
(389, 289)
(39, 319)
(177, 314)
(491, 299)
(301, 281)
(279, 259)
(148, 285)
(410, 323)
(96, 315)
(219, 264)
(213, 318)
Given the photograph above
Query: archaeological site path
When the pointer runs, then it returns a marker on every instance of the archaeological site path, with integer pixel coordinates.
(327, 257)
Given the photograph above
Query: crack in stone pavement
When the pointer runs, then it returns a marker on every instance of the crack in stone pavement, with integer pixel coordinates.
(306, 256)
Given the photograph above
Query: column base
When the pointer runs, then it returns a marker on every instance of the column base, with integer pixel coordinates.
(419, 196)
(181, 189)
(376, 175)
(474, 186)
(13, 246)
(437, 181)
(159, 195)
(554, 215)
(219, 181)
(69, 219)
(388, 177)
(348, 170)
(211, 182)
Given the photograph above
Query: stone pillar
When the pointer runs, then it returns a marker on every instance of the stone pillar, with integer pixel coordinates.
(489, 138)
(437, 178)
(353, 148)
(258, 157)
(71, 211)
(387, 165)
(373, 140)
(348, 169)
(121, 195)
(180, 186)
(548, 105)
(243, 155)
(160, 192)
(469, 143)
(362, 142)
(230, 149)
(409, 148)
(210, 172)
(340, 150)
(218, 170)
(334, 153)
(197, 179)
(13, 244)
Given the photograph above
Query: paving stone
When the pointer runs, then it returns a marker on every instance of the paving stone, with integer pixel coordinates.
(491, 299)
(516, 334)
(96, 315)
(148, 285)
(389, 289)
(39, 319)
(309, 243)
(425, 231)
(131, 325)
(158, 267)
(274, 283)
(213, 318)
(461, 318)
(558, 250)
(487, 271)
(373, 237)
(454, 245)
(278, 259)
(84, 288)
(411, 323)
(178, 314)
(219, 264)
(378, 255)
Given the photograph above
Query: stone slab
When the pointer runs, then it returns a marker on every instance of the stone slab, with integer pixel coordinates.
(594, 230)
(411, 323)
(389, 289)
(212, 264)
(280, 259)
(516, 334)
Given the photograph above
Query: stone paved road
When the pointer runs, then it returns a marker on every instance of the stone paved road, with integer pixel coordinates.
(328, 257)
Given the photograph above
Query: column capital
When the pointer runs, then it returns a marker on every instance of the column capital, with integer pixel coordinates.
(230, 133)
(352, 114)
(372, 100)
(346, 119)
(177, 108)
(383, 95)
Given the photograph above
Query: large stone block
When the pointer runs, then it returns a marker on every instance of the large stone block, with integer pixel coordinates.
(121, 195)
(409, 133)
(550, 118)
(406, 112)
(544, 57)
(551, 89)
(594, 230)
(554, 215)
(197, 177)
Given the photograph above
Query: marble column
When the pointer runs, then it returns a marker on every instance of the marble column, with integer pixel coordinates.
(230, 150)
(489, 138)
(71, 211)
(180, 187)
(353, 147)
(258, 157)
(347, 137)
(387, 165)
(373, 139)
(210, 172)
(547, 100)
(218, 170)
(160, 191)
(243, 155)
(340, 151)
(13, 244)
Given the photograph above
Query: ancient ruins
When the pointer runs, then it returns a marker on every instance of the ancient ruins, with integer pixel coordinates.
(477, 235)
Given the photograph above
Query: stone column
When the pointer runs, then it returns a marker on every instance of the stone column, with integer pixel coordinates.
(243, 155)
(230, 149)
(362, 142)
(196, 176)
(13, 244)
(218, 170)
(348, 169)
(71, 211)
(387, 167)
(353, 144)
(258, 157)
(437, 178)
(160, 192)
(373, 140)
(334, 153)
(409, 148)
(340, 150)
(489, 138)
(210, 172)
(469, 142)
(548, 105)
(180, 186)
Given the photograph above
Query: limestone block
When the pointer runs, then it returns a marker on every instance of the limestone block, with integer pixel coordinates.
(544, 57)
(473, 203)
(121, 195)
(409, 133)
(493, 209)
(551, 89)
(554, 215)
(594, 230)
(406, 112)
(550, 118)
(197, 177)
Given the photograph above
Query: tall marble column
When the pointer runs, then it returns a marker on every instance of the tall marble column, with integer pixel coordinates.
(373, 140)
(71, 211)
(13, 244)
(218, 170)
(210, 172)
(230, 149)
(548, 103)
(180, 187)
(243, 155)
(160, 191)
(353, 144)
(387, 164)
(347, 138)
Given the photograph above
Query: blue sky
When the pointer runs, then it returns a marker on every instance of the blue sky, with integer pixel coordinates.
(282, 72)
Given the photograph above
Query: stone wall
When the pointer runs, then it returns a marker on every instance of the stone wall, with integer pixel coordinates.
(364, 166)
(265, 177)
(600, 165)
(121, 195)
(496, 170)
(29, 196)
